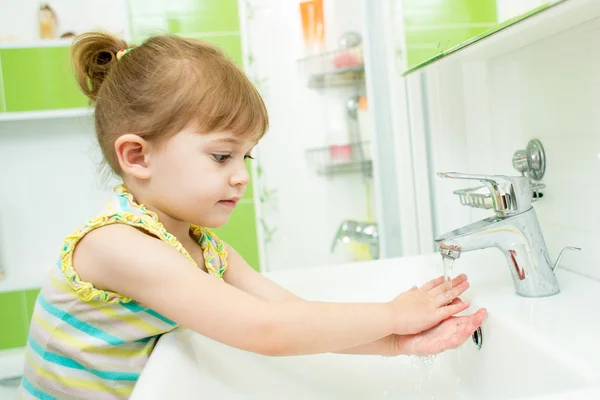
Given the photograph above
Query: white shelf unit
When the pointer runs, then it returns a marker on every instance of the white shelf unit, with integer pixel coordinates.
(36, 43)
(46, 114)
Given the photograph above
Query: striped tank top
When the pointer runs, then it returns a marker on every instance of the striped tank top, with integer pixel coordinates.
(86, 343)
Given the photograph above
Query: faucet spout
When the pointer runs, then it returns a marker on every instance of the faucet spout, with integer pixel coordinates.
(520, 238)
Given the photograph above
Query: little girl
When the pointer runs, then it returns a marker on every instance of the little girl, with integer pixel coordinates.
(175, 120)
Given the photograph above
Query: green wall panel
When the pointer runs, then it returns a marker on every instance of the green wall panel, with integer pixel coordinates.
(39, 79)
(240, 233)
(433, 26)
(230, 44)
(444, 38)
(2, 102)
(16, 309)
(249, 195)
(15, 324)
(203, 16)
(30, 299)
(438, 12)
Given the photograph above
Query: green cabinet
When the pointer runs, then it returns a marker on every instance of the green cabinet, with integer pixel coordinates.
(38, 78)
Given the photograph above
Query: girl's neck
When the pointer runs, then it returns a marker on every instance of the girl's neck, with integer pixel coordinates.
(179, 229)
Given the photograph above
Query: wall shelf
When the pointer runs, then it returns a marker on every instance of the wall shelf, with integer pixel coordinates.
(46, 114)
(338, 68)
(36, 43)
(341, 159)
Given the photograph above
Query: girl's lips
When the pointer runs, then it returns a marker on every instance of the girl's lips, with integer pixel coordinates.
(231, 203)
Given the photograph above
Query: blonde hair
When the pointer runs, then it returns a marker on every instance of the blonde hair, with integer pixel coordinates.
(163, 86)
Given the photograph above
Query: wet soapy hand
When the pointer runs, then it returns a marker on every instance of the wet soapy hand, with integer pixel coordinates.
(449, 334)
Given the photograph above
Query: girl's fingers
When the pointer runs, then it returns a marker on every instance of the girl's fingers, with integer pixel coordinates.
(448, 296)
(433, 283)
(442, 286)
(453, 309)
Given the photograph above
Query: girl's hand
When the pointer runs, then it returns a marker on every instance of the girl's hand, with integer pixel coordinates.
(449, 334)
(422, 308)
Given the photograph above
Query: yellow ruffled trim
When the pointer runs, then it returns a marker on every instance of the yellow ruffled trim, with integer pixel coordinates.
(85, 290)
(209, 240)
(149, 222)
(121, 190)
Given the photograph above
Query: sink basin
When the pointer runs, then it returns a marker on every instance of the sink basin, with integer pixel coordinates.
(515, 361)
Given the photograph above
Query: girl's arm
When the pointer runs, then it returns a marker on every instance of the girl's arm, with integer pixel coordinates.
(125, 260)
(244, 277)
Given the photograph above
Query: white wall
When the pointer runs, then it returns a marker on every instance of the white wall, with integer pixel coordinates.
(482, 111)
(49, 185)
(307, 208)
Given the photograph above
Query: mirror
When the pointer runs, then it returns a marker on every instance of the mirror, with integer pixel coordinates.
(430, 28)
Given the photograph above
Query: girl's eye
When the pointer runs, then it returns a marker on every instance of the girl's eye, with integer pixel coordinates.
(221, 158)
(248, 156)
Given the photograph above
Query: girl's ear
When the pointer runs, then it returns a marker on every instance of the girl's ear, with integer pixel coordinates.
(133, 153)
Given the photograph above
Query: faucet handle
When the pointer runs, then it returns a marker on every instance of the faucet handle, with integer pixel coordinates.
(562, 253)
(510, 194)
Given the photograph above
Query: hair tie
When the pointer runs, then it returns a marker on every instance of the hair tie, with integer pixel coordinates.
(122, 52)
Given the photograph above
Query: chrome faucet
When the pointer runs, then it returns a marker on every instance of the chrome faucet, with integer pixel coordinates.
(362, 232)
(514, 230)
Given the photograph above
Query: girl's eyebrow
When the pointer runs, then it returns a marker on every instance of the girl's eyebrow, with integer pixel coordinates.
(226, 140)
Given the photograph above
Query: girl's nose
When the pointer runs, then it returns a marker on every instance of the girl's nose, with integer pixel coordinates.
(240, 176)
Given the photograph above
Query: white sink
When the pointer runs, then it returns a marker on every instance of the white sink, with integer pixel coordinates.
(527, 352)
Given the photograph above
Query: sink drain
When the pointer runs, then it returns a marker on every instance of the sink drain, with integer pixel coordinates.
(11, 382)
(478, 338)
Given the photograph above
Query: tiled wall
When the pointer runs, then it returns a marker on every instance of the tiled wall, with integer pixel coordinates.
(479, 112)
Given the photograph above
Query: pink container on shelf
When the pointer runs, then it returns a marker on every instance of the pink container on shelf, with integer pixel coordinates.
(340, 153)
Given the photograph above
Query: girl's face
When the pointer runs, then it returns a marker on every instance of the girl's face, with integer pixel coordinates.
(199, 178)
